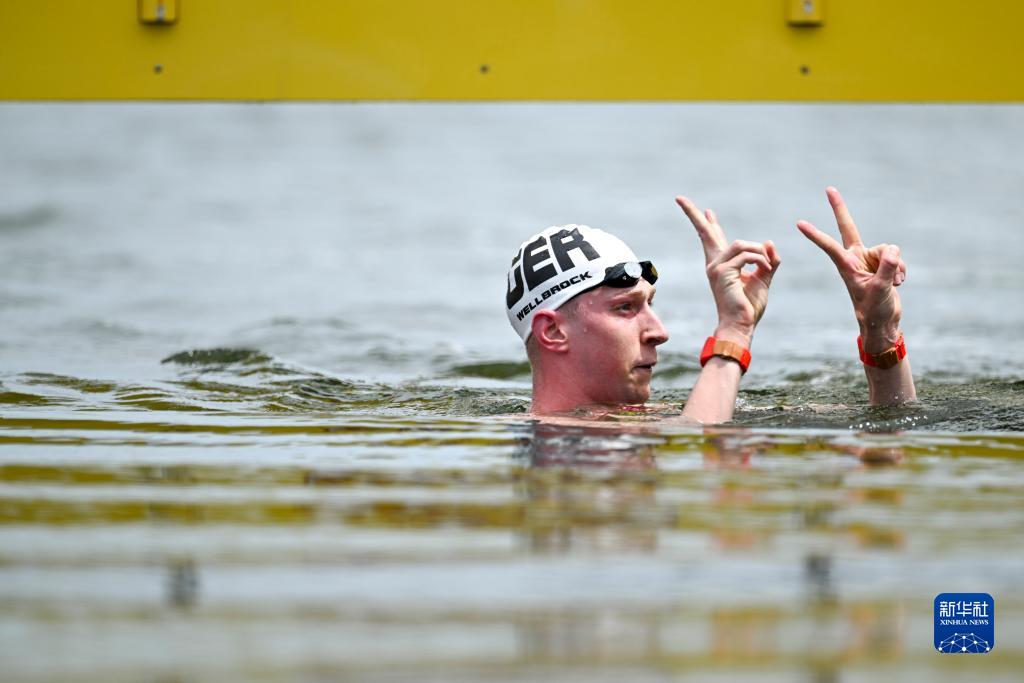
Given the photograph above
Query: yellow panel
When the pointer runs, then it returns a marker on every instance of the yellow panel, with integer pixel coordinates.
(880, 50)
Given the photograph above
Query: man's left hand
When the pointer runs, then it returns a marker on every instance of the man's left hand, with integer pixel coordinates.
(871, 275)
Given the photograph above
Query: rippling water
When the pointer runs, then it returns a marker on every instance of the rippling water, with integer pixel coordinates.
(260, 410)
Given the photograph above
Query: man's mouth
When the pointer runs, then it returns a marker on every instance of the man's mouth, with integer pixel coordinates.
(649, 367)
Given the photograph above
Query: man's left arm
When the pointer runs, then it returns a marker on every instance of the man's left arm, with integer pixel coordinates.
(871, 275)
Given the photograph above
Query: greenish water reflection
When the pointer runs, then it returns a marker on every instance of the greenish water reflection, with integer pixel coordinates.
(239, 547)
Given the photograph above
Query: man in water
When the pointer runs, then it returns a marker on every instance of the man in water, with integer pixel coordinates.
(582, 303)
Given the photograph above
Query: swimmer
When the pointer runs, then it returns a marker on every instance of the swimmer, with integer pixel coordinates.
(582, 302)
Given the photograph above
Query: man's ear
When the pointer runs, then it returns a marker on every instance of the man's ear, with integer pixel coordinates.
(548, 328)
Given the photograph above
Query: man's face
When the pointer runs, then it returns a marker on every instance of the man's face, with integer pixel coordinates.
(613, 335)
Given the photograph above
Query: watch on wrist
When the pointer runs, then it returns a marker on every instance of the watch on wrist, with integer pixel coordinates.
(725, 349)
(886, 359)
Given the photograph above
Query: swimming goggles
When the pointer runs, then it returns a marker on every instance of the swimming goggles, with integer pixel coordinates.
(629, 273)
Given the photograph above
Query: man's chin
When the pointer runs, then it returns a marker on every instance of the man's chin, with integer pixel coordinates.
(637, 395)
(626, 394)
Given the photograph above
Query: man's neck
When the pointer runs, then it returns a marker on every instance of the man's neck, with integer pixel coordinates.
(553, 394)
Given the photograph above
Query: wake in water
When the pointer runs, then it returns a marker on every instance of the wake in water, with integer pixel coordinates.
(247, 381)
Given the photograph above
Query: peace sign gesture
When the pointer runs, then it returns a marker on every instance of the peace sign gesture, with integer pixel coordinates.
(740, 296)
(871, 275)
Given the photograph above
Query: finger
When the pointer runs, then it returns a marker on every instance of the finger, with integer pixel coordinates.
(716, 227)
(748, 258)
(901, 269)
(826, 242)
(773, 259)
(773, 254)
(739, 246)
(888, 266)
(712, 239)
(847, 228)
(873, 260)
(873, 256)
(711, 235)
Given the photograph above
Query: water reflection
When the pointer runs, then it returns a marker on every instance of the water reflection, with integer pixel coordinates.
(182, 583)
(548, 444)
(601, 494)
(576, 548)
(589, 489)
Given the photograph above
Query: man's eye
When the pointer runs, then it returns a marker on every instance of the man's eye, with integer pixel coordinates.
(624, 307)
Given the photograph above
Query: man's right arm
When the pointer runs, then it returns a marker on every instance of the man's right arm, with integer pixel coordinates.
(740, 298)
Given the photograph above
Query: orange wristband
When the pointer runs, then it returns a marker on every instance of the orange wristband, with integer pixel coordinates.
(886, 359)
(725, 349)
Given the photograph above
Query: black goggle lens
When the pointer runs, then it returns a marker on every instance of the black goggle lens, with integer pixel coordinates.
(629, 273)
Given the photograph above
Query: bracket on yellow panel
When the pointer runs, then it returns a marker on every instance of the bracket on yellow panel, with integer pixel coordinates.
(158, 11)
(805, 12)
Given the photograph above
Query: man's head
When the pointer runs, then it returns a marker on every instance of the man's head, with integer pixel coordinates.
(581, 301)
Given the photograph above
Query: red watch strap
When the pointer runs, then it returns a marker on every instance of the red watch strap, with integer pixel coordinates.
(886, 359)
(725, 349)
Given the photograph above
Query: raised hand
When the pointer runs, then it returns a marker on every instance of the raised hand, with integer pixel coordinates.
(740, 296)
(870, 274)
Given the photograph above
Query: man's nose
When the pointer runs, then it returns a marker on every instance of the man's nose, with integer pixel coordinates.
(654, 332)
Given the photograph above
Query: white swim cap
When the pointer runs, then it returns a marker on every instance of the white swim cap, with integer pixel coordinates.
(555, 265)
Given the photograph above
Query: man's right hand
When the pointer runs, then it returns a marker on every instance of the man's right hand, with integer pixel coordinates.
(740, 296)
